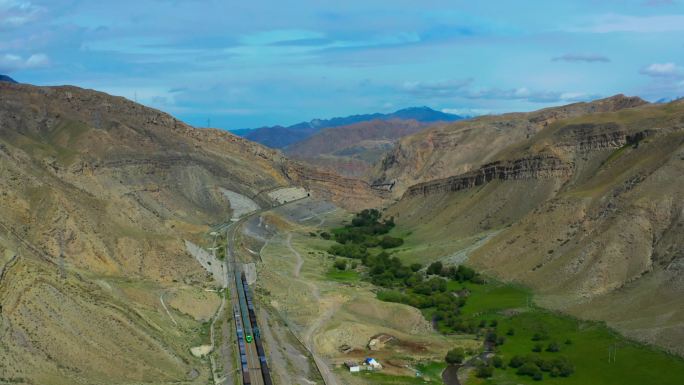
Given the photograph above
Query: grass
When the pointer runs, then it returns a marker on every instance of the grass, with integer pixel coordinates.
(432, 370)
(379, 378)
(635, 364)
(348, 276)
(493, 297)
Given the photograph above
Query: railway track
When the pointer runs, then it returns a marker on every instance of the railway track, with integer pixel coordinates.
(253, 363)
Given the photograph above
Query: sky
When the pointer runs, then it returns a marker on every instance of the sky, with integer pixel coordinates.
(238, 64)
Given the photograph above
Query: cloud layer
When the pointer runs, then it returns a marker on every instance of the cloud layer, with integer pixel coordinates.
(259, 62)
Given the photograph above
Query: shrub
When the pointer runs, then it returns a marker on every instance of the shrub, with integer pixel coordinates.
(415, 267)
(388, 242)
(538, 377)
(340, 264)
(528, 369)
(325, 235)
(510, 332)
(435, 268)
(516, 361)
(484, 371)
(553, 347)
(493, 323)
(497, 361)
(537, 348)
(455, 356)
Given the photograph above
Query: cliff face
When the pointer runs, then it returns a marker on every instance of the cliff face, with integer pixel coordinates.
(535, 167)
(457, 148)
(583, 211)
(350, 193)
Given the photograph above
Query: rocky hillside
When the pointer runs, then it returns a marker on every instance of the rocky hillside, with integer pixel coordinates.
(583, 203)
(97, 195)
(352, 150)
(453, 149)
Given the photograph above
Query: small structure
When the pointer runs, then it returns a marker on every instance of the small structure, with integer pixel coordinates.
(372, 363)
(352, 366)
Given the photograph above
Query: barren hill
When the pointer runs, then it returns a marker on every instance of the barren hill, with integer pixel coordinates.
(97, 197)
(582, 203)
(463, 146)
(352, 150)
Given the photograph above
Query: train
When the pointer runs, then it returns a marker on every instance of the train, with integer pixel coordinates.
(242, 288)
(265, 373)
(248, 330)
(241, 345)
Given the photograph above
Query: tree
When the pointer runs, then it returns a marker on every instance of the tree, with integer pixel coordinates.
(388, 242)
(340, 264)
(435, 268)
(484, 371)
(516, 361)
(455, 356)
(553, 347)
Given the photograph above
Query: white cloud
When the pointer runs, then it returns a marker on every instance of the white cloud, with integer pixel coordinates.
(663, 70)
(11, 62)
(440, 88)
(583, 57)
(15, 13)
(641, 24)
(467, 111)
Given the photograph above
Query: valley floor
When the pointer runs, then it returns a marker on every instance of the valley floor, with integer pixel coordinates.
(335, 315)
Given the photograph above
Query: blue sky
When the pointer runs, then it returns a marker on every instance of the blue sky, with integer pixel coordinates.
(252, 63)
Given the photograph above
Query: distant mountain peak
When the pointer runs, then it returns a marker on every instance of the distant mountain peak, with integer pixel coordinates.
(280, 137)
(7, 79)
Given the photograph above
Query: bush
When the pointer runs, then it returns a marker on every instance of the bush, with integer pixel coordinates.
(510, 332)
(388, 242)
(455, 356)
(435, 268)
(538, 377)
(415, 267)
(325, 235)
(537, 348)
(516, 361)
(553, 347)
(354, 264)
(493, 323)
(340, 264)
(497, 361)
(484, 371)
(528, 369)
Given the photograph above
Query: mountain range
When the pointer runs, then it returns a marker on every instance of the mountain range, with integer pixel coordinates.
(100, 197)
(281, 137)
(5, 78)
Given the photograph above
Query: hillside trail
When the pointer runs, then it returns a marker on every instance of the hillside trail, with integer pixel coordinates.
(308, 336)
(300, 260)
(161, 299)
